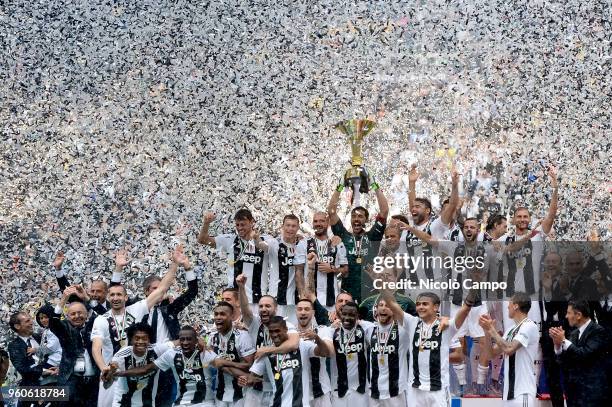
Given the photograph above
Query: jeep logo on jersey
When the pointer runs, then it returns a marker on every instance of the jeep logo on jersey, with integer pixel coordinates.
(364, 252)
(290, 364)
(354, 348)
(428, 344)
(287, 261)
(327, 259)
(383, 349)
(413, 242)
(228, 356)
(249, 258)
(188, 376)
(524, 252)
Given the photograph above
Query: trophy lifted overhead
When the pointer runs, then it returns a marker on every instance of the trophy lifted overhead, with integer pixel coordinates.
(356, 177)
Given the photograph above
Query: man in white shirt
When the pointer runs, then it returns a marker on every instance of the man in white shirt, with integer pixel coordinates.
(520, 347)
(109, 333)
(247, 253)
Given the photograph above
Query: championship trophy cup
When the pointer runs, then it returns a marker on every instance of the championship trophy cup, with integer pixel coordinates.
(356, 177)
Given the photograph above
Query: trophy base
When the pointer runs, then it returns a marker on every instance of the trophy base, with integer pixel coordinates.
(357, 176)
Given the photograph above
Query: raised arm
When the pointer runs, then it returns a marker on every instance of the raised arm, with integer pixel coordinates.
(247, 314)
(332, 206)
(158, 294)
(413, 176)
(449, 211)
(62, 280)
(121, 260)
(547, 223)
(398, 312)
(501, 345)
(203, 236)
(383, 205)
(188, 296)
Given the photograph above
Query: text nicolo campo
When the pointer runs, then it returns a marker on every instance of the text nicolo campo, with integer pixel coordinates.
(458, 264)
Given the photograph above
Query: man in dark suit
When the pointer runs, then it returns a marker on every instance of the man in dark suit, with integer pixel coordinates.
(76, 369)
(582, 357)
(553, 308)
(22, 351)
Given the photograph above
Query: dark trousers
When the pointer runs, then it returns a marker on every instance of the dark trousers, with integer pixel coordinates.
(553, 371)
(166, 386)
(82, 390)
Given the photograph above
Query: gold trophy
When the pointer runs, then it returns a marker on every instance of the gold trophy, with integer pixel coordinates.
(356, 177)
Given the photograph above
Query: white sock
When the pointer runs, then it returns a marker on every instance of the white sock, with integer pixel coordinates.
(459, 369)
(482, 374)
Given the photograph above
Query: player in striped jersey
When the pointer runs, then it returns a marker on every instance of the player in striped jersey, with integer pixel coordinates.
(430, 350)
(137, 391)
(319, 383)
(290, 371)
(424, 221)
(520, 347)
(330, 261)
(236, 347)
(284, 283)
(189, 365)
(359, 243)
(350, 363)
(257, 326)
(247, 253)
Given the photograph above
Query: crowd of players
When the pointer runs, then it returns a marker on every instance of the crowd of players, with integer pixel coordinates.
(300, 325)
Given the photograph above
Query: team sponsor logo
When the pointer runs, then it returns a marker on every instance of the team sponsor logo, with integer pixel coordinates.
(196, 377)
(386, 349)
(287, 261)
(428, 344)
(352, 348)
(250, 258)
(327, 259)
(290, 364)
(523, 252)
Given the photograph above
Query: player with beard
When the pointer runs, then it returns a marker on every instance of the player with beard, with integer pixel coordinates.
(257, 326)
(424, 221)
(247, 253)
(350, 363)
(388, 248)
(136, 391)
(330, 262)
(109, 333)
(466, 265)
(284, 282)
(232, 296)
(359, 242)
(238, 351)
(189, 364)
(497, 226)
(320, 386)
(523, 254)
(291, 370)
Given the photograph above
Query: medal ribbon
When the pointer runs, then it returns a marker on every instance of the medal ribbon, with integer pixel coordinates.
(120, 332)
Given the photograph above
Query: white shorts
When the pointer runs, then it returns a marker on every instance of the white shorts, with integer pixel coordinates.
(397, 401)
(239, 403)
(522, 400)
(423, 398)
(105, 396)
(288, 312)
(323, 401)
(470, 326)
(256, 398)
(352, 399)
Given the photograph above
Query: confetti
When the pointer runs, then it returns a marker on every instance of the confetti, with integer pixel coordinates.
(122, 123)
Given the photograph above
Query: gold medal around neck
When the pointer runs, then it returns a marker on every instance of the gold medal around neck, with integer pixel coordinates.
(381, 360)
(141, 385)
(123, 343)
(349, 356)
(358, 261)
(277, 376)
